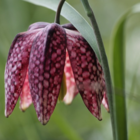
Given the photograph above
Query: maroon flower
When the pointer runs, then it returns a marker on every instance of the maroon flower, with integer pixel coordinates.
(37, 61)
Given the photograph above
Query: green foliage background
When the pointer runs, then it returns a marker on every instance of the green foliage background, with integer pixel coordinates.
(73, 122)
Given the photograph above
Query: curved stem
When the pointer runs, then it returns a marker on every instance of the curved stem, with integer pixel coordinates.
(57, 17)
(104, 61)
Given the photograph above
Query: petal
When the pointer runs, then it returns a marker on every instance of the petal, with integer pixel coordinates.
(87, 72)
(72, 90)
(38, 25)
(105, 102)
(46, 69)
(16, 68)
(69, 26)
(25, 96)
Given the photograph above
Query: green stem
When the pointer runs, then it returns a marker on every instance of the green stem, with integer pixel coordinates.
(57, 17)
(104, 61)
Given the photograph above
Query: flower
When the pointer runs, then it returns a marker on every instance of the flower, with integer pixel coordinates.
(40, 58)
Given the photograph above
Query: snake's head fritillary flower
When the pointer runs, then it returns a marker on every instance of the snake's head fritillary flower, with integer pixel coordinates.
(37, 62)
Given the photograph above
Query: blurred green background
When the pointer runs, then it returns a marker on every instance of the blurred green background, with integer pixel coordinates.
(72, 122)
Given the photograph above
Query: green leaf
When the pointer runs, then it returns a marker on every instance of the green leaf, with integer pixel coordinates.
(75, 18)
(119, 73)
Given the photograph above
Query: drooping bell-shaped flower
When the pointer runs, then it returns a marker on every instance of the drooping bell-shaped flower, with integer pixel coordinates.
(37, 62)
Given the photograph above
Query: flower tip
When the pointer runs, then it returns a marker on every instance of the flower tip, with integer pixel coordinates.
(44, 122)
(107, 109)
(68, 100)
(7, 114)
(43, 119)
(100, 119)
(23, 107)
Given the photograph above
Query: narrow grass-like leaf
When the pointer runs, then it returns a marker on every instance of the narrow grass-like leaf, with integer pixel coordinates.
(75, 18)
(119, 74)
